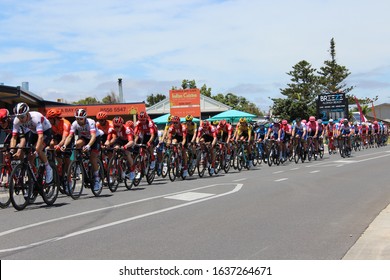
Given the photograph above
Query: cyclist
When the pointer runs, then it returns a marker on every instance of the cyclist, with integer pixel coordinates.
(364, 133)
(224, 132)
(313, 129)
(329, 133)
(161, 145)
(346, 131)
(260, 133)
(299, 131)
(285, 138)
(5, 126)
(122, 137)
(178, 133)
(145, 132)
(244, 133)
(104, 125)
(88, 139)
(37, 131)
(207, 133)
(191, 129)
(61, 129)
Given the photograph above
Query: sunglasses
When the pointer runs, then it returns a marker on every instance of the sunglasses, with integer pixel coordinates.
(80, 119)
(117, 126)
(22, 117)
(175, 122)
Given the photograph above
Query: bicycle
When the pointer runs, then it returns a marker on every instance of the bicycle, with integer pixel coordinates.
(273, 155)
(116, 170)
(26, 182)
(299, 151)
(311, 150)
(80, 174)
(175, 165)
(142, 165)
(205, 161)
(345, 150)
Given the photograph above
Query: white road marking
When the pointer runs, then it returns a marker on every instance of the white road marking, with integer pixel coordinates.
(277, 172)
(295, 168)
(282, 179)
(238, 180)
(236, 189)
(314, 171)
(103, 209)
(189, 196)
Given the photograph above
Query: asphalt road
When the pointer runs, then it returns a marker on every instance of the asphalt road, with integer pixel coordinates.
(316, 210)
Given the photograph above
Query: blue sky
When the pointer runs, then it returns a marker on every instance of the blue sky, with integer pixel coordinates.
(72, 49)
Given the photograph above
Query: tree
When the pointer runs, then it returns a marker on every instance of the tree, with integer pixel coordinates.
(87, 101)
(300, 94)
(332, 75)
(153, 99)
(111, 98)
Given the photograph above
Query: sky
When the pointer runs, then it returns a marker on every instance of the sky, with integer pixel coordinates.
(73, 49)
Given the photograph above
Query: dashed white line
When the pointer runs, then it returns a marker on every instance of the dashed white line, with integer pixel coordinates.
(282, 179)
(277, 172)
(295, 168)
(314, 171)
(238, 180)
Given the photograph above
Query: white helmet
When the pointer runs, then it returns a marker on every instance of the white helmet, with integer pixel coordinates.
(21, 109)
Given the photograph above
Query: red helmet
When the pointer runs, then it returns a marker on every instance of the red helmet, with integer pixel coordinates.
(175, 119)
(205, 123)
(117, 121)
(101, 115)
(312, 119)
(130, 124)
(375, 122)
(4, 114)
(53, 113)
(222, 123)
(142, 116)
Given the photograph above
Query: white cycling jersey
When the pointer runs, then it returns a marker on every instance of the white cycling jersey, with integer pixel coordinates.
(85, 130)
(36, 124)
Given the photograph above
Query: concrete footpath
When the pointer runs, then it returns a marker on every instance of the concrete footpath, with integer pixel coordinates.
(374, 244)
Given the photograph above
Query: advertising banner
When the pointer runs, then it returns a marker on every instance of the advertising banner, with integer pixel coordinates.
(185, 102)
(332, 106)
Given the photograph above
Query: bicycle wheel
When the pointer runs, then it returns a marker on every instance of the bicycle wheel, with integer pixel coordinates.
(202, 164)
(5, 175)
(150, 175)
(123, 164)
(137, 170)
(271, 157)
(114, 174)
(173, 168)
(97, 192)
(165, 166)
(49, 192)
(20, 187)
(192, 163)
(76, 179)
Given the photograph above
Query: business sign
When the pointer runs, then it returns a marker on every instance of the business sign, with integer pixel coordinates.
(332, 106)
(185, 102)
(111, 110)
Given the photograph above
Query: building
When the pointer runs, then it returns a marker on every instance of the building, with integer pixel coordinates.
(382, 112)
(208, 107)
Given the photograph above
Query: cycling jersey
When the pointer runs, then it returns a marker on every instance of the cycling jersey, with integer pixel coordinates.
(345, 129)
(243, 130)
(62, 128)
(191, 128)
(37, 124)
(86, 130)
(105, 128)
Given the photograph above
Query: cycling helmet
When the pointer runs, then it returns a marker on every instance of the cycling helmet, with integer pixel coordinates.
(312, 119)
(243, 120)
(205, 123)
(4, 114)
(319, 121)
(142, 116)
(170, 118)
(189, 118)
(284, 122)
(117, 121)
(303, 121)
(101, 115)
(330, 120)
(345, 121)
(215, 123)
(298, 119)
(175, 119)
(375, 122)
(53, 113)
(21, 109)
(222, 123)
(80, 113)
(130, 124)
